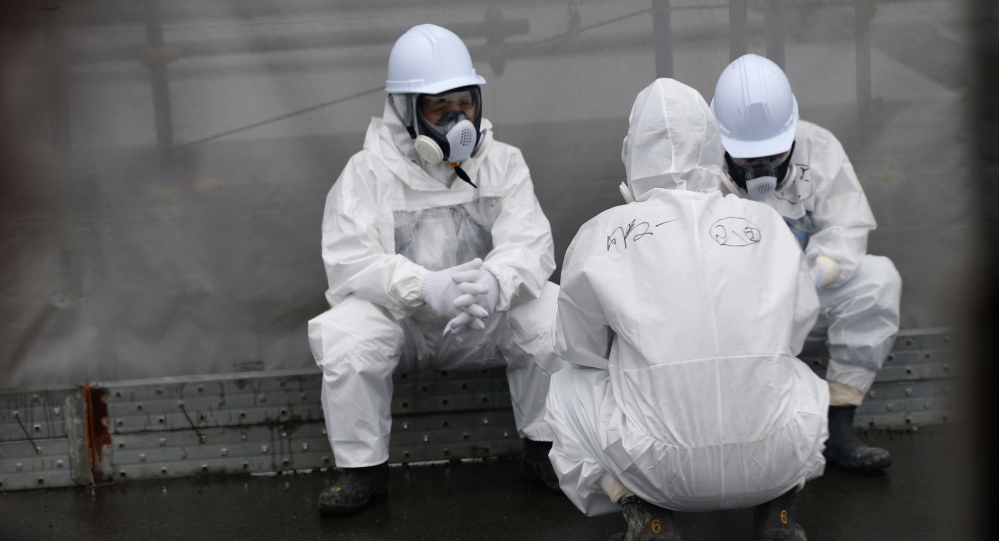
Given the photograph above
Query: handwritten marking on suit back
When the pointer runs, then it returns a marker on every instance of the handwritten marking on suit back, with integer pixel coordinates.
(735, 231)
(635, 230)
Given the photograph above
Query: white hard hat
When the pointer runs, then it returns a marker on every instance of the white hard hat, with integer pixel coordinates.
(755, 108)
(428, 59)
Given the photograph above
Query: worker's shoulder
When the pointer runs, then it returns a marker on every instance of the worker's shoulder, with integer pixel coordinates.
(364, 160)
(630, 214)
(364, 171)
(611, 215)
(814, 135)
(500, 151)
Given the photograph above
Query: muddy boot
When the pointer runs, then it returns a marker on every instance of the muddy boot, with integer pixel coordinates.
(646, 522)
(536, 466)
(774, 520)
(353, 490)
(845, 450)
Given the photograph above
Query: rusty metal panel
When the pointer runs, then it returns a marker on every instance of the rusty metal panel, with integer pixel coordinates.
(918, 384)
(202, 402)
(38, 464)
(457, 435)
(28, 415)
(273, 421)
(908, 403)
(255, 422)
(437, 392)
(214, 451)
(34, 447)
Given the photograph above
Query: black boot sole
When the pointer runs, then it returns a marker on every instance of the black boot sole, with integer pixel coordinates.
(346, 511)
(871, 466)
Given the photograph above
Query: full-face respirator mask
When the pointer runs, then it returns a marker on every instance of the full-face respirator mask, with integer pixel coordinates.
(446, 126)
(760, 177)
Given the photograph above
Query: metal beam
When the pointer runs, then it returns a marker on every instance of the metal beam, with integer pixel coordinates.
(864, 12)
(155, 58)
(662, 36)
(738, 28)
(774, 16)
(55, 77)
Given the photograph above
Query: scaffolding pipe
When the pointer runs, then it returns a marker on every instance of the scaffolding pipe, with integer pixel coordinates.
(738, 28)
(661, 29)
(158, 76)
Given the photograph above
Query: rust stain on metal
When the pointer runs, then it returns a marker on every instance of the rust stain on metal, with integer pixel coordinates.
(98, 433)
(477, 451)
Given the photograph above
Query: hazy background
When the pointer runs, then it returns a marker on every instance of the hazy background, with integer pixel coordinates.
(164, 164)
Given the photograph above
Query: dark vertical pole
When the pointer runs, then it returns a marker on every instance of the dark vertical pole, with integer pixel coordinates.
(55, 77)
(774, 16)
(864, 12)
(738, 28)
(983, 297)
(661, 32)
(4, 124)
(158, 74)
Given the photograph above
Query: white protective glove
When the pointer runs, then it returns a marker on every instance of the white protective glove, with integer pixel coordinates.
(480, 294)
(439, 289)
(823, 270)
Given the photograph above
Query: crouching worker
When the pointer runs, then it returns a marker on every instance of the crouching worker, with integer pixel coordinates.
(681, 315)
(437, 255)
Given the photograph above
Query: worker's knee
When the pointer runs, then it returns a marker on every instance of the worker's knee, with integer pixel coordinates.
(881, 272)
(354, 328)
(533, 319)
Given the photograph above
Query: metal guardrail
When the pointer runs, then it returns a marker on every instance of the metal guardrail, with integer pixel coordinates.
(253, 422)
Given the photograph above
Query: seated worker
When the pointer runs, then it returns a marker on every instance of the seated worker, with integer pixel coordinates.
(802, 171)
(681, 315)
(434, 225)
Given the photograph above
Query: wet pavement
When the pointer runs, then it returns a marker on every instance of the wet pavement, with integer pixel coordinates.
(923, 496)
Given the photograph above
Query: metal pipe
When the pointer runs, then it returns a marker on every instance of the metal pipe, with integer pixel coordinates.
(864, 12)
(738, 28)
(774, 16)
(55, 77)
(158, 76)
(661, 30)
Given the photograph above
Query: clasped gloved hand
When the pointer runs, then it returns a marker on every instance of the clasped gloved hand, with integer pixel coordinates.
(440, 290)
(480, 293)
(823, 270)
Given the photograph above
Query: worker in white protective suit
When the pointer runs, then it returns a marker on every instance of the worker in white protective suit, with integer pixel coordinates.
(801, 170)
(437, 255)
(681, 314)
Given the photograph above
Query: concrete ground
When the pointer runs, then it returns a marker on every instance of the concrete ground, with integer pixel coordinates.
(923, 496)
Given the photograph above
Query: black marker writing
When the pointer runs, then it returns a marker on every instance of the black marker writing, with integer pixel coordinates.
(735, 231)
(627, 231)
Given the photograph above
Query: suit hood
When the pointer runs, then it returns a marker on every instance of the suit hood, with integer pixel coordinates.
(673, 141)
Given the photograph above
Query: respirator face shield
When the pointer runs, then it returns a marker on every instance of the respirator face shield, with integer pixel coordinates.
(760, 176)
(447, 124)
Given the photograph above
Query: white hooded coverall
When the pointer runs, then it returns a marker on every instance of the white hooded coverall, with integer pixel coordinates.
(826, 208)
(390, 220)
(681, 315)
